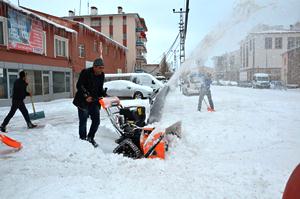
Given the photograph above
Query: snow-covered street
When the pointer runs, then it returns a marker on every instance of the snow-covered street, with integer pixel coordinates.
(246, 149)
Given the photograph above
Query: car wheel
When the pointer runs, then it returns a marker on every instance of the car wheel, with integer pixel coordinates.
(138, 95)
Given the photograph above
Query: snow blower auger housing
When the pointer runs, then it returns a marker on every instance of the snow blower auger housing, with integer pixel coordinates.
(136, 139)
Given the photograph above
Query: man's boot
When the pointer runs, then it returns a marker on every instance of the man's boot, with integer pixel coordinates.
(3, 129)
(31, 126)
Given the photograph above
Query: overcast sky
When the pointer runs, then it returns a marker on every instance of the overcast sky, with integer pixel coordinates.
(204, 17)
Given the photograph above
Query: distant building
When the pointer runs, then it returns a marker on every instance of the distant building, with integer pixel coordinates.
(261, 52)
(291, 67)
(227, 66)
(128, 29)
(51, 50)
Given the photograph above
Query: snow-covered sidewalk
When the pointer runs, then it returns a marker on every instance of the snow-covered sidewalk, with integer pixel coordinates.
(246, 149)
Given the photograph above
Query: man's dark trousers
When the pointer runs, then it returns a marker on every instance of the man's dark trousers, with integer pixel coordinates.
(17, 104)
(83, 114)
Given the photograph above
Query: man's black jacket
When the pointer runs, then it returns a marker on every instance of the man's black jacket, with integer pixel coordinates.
(88, 85)
(19, 90)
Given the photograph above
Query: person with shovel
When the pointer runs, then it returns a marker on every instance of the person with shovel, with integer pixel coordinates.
(205, 90)
(18, 96)
(89, 90)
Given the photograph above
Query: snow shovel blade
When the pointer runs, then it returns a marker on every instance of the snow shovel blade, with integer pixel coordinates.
(37, 115)
(10, 142)
(174, 129)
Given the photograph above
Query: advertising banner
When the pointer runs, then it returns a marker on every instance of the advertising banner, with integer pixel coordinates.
(24, 33)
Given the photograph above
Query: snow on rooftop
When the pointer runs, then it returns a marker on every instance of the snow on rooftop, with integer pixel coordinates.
(92, 29)
(39, 17)
(276, 31)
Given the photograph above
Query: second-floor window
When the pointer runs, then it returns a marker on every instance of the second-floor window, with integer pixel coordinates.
(3, 31)
(61, 46)
(110, 21)
(278, 42)
(268, 43)
(291, 42)
(81, 50)
(96, 22)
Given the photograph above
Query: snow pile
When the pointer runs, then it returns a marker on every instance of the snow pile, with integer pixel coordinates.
(246, 149)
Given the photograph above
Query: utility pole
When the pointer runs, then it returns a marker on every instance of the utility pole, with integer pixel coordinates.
(182, 36)
(19, 3)
(182, 30)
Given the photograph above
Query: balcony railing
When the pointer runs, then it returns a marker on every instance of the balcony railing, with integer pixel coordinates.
(139, 29)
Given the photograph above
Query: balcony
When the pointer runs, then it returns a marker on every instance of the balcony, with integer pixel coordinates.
(140, 45)
(139, 29)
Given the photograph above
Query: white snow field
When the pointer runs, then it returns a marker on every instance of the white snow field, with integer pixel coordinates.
(246, 149)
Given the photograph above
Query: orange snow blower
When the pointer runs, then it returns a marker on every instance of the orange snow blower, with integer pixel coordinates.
(10, 142)
(136, 139)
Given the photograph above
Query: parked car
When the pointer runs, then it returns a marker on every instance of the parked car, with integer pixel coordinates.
(261, 80)
(124, 88)
(144, 79)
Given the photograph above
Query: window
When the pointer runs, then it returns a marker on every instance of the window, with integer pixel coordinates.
(278, 42)
(268, 43)
(124, 20)
(96, 22)
(44, 43)
(3, 31)
(46, 83)
(81, 50)
(58, 82)
(110, 21)
(68, 82)
(291, 42)
(124, 36)
(95, 46)
(61, 46)
(297, 42)
(3, 83)
(37, 83)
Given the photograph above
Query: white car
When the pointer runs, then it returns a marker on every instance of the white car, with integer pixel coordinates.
(124, 88)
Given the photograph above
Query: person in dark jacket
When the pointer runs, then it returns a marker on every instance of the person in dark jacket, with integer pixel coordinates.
(205, 90)
(89, 90)
(18, 96)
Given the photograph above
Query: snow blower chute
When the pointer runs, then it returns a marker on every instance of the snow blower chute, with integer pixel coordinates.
(137, 140)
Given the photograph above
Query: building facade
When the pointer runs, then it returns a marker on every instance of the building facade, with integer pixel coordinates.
(227, 66)
(52, 54)
(261, 52)
(291, 67)
(127, 29)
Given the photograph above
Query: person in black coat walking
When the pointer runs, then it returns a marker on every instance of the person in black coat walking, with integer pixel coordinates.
(89, 90)
(19, 94)
(205, 90)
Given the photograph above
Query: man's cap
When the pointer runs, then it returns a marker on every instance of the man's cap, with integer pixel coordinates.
(22, 74)
(98, 62)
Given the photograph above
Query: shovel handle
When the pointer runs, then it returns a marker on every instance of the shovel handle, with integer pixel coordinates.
(32, 104)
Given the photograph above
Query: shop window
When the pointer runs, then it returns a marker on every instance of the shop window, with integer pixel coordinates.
(37, 83)
(46, 83)
(68, 82)
(58, 82)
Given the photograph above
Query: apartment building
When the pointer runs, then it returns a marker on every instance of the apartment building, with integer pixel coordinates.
(261, 52)
(128, 29)
(52, 52)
